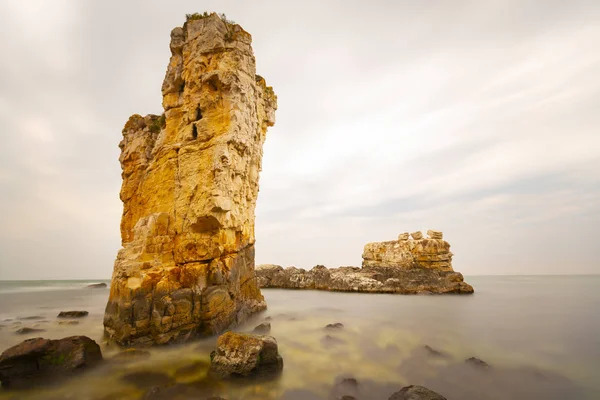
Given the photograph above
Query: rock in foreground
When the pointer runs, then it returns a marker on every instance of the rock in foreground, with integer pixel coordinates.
(405, 266)
(190, 185)
(42, 360)
(245, 355)
(414, 392)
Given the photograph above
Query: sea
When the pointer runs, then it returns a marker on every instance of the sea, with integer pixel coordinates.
(538, 335)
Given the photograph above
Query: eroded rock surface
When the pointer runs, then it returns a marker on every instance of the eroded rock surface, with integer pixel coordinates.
(245, 355)
(42, 360)
(406, 266)
(190, 184)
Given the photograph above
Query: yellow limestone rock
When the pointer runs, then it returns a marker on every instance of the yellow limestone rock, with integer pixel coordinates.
(190, 184)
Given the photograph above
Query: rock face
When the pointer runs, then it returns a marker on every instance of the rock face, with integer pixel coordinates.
(40, 360)
(190, 184)
(245, 355)
(406, 266)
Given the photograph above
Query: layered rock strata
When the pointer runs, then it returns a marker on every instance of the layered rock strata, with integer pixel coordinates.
(405, 266)
(190, 184)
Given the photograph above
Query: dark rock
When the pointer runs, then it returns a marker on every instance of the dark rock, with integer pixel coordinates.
(476, 362)
(97, 285)
(434, 353)
(245, 355)
(72, 314)
(414, 392)
(34, 317)
(147, 379)
(42, 360)
(337, 325)
(330, 341)
(345, 388)
(263, 328)
(25, 330)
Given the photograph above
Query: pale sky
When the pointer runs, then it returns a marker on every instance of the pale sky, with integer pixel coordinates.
(477, 118)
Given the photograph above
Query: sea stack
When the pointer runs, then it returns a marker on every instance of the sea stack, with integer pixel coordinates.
(190, 184)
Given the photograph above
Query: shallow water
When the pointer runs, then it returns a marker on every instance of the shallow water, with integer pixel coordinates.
(541, 336)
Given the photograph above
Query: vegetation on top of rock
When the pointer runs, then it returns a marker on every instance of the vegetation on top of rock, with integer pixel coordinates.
(205, 14)
(157, 124)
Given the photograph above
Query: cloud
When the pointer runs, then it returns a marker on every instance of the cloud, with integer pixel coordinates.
(477, 118)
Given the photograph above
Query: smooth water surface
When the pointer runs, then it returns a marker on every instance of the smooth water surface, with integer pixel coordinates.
(541, 336)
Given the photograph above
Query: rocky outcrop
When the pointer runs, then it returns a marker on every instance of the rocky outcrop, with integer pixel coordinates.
(406, 266)
(190, 184)
(245, 355)
(42, 360)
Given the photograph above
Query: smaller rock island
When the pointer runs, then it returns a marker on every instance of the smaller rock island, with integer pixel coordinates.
(410, 265)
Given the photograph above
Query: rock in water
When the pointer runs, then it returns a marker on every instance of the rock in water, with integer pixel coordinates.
(262, 329)
(72, 314)
(190, 184)
(244, 355)
(100, 285)
(406, 266)
(42, 360)
(414, 392)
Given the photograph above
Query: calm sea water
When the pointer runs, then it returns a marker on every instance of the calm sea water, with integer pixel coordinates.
(541, 335)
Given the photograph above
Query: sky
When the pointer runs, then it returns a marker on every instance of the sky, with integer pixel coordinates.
(477, 118)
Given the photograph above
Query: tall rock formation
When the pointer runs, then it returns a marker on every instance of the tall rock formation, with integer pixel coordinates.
(190, 184)
(409, 265)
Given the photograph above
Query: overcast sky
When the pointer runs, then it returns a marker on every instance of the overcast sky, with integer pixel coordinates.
(477, 118)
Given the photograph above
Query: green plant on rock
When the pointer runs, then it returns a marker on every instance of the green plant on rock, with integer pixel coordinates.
(196, 16)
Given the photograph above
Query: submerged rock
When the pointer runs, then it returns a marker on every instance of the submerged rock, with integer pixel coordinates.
(263, 328)
(26, 330)
(336, 325)
(42, 360)
(33, 317)
(97, 285)
(190, 185)
(68, 322)
(417, 266)
(414, 392)
(478, 363)
(245, 355)
(72, 314)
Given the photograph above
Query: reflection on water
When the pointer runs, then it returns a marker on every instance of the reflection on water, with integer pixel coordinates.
(541, 336)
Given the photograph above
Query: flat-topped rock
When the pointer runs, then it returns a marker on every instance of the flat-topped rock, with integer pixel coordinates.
(405, 266)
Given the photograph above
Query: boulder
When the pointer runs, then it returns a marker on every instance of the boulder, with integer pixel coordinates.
(263, 328)
(414, 392)
(42, 360)
(418, 235)
(72, 314)
(435, 234)
(26, 330)
(189, 191)
(245, 355)
(97, 285)
(403, 236)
